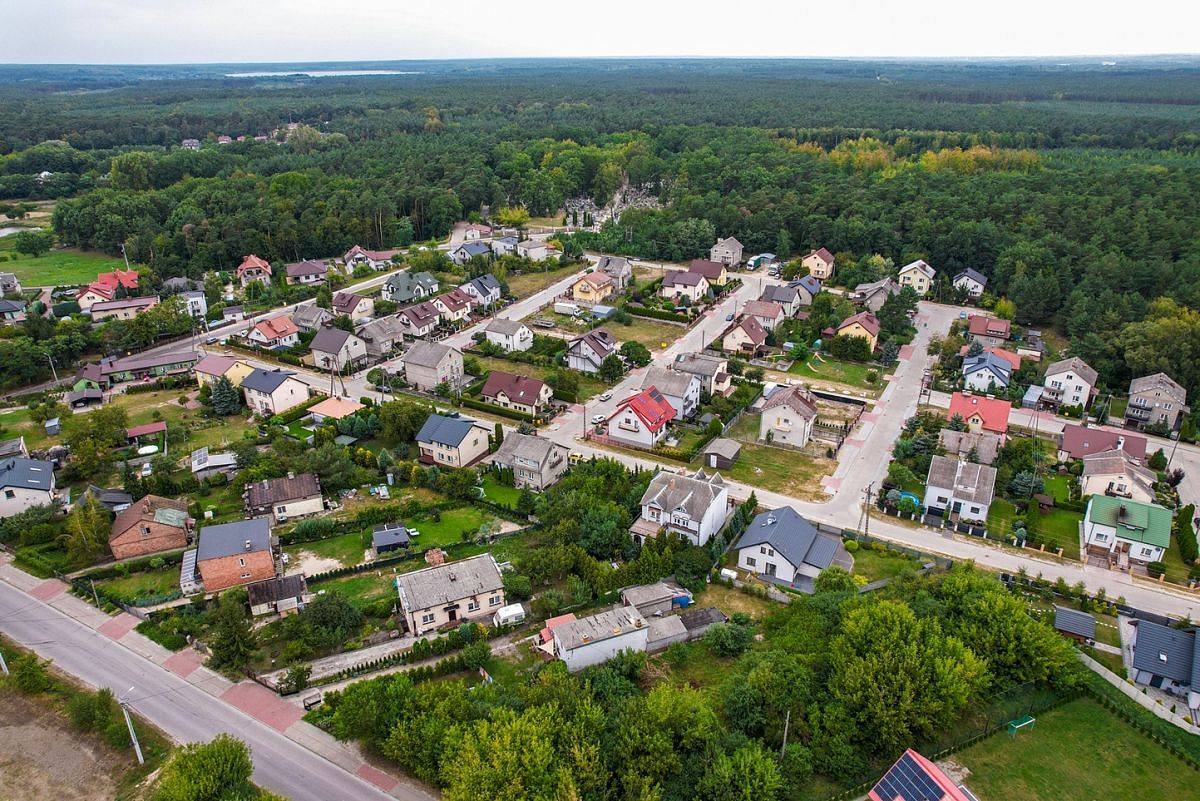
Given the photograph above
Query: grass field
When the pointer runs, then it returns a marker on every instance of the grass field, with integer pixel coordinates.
(876, 565)
(1063, 526)
(1059, 759)
(531, 283)
(651, 333)
(347, 549)
(691, 664)
(730, 600)
(1058, 487)
(362, 589)
(777, 469)
(449, 528)
(143, 585)
(496, 492)
(59, 267)
(848, 373)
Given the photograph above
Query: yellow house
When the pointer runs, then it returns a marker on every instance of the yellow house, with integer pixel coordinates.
(863, 324)
(593, 288)
(919, 275)
(819, 264)
(238, 372)
(213, 366)
(716, 273)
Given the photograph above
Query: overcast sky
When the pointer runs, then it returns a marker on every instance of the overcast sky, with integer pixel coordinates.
(184, 31)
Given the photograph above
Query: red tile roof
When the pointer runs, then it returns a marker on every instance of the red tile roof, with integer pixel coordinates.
(993, 412)
(824, 255)
(277, 327)
(148, 428)
(651, 407)
(914, 778)
(253, 262)
(866, 319)
(518, 388)
(709, 269)
(346, 302)
(1079, 441)
(981, 326)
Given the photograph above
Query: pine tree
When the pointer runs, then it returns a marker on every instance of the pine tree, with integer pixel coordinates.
(226, 399)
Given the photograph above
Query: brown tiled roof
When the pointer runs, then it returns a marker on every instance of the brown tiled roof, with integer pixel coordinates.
(519, 388)
(277, 490)
(147, 509)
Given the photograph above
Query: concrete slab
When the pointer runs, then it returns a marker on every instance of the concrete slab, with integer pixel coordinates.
(261, 704)
(829, 482)
(45, 590)
(17, 578)
(80, 609)
(184, 663)
(119, 626)
(212, 683)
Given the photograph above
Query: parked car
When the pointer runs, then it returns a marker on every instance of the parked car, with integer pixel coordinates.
(729, 317)
(605, 396)
(597, 419)
(147, 470)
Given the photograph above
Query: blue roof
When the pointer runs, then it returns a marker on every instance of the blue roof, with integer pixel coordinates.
(265, 380)
(229, 539)
(508, 240)
(796, 539)
(443, 430)
(1164, 651)
(812, 285)
(988, 361)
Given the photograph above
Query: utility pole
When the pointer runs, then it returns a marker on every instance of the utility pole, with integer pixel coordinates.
(137, 747)
(124, 256)
(865, 518)
(786, 720)
(53, 371)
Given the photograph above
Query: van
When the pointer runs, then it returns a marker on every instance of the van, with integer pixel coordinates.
(509, 615)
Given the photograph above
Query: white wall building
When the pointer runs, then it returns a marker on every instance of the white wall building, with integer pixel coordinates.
(596, 639)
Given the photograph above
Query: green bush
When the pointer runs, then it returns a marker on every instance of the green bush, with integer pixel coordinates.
(851, 546)
(1156, 569)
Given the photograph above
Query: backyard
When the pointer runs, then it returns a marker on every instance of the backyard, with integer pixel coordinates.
(1059, 759)
(345, 549)
(791, 472)
(149, 584)
(65, 267)
(531, 283)
(875, 565)
(853, 374)
(499, 493)
(588, 385)
(1058, 525)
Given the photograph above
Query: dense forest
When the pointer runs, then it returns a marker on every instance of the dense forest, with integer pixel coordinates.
(1074, 188)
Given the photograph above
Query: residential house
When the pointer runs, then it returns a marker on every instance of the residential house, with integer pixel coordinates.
(596, 639)
(1113, 473)
(1155, 399)
(782, 547)
(283, 499)
(232, 554)
(532, 250)
(768, 314)
(721, 453)
(586, 353)
(272, 392)
(788, 415)
(122, 309)
(918, 275)
(13, 447)
(253, 268)
(452, 440)
(1013, 359)
(520, 393)
(311, 317)
(695, 507)
(745, 337)
(390, 537)
(12, 311)
(427, 364)
(1076, 442)
(205, 464)
(678, 285)
(537, 463)
(233, 314)
(336, 349)
(986, 372)
(333, 409)
(382, 336)
(484, 290)
(988, 331)
(641, 420)
(864, 324)
(981, 445)
(195, 304)
(981, 413)
(873, 295)
(655, 600)
(1126, 531)
(9, 284)
(453, 306)
(593, 288)
(1031, 347)
(275, 333)
(475, 231)
(959, 489)
(406, 286)
(972, 282)
(377, 260)
(1167, 658)
(728, 251)
(785, 295)
(469, 589)
(25, 483)
(357, 307)
(511, 335)
(107, 286)
(715, 272)
(212, 367)
(150, 525)
(305, 272)
(713, 371)
(469, 250)
(1069, 382)
(282, 595)
(420, 319)
(137, 368)
(806, 288)
(915, 778)
(179, 285)
(504, 245)
(682, 390)
(618, 269)
(819, 264)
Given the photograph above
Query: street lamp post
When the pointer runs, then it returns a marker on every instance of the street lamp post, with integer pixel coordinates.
(53, 371)
(137, 747)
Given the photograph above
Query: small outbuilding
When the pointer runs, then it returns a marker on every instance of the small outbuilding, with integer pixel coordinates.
(721, 453)
(1074, 624)
(285, 595)
(388, 537)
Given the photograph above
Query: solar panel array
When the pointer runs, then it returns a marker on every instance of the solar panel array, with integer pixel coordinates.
(908, 781)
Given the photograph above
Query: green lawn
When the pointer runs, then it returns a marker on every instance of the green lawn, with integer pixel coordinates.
(496, 492)
(60, 267)
(18, 424)
(1058, 487)
(143, 585)
(363, 589)
(692, 664)
(1001, 514)
(588, 385)
(1060, 758)
(782, 470)
(531, 283)
(653, 334)
(1062, 526)
(1177, 571)
(850, 373)
(346, 548)
(876, 565)
(449, 528)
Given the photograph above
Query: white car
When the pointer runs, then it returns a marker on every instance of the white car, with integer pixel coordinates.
(147, 470)
(597, 419)
(605, 396)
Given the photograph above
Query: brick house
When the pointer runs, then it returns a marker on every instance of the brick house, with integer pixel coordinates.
(232, 554)
(151, 525)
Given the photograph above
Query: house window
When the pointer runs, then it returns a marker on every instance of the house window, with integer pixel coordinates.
(1147, 551)
(427, 617)
(1101, 537)
(9, 494)
(245, 575)
(494, 600)
(974, 510)
(943, 499)
(750, 561)
(145, 531)
(762, 549)
(473, 606)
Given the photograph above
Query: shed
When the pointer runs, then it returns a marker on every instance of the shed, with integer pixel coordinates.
(721, 453)
(655, 599)
(699, 621)
(1044, 502)
(1074, 624)
(1033, 397)
(664, 631)
(600, 312)
(284, 594)
(53, 426)
(387, 537)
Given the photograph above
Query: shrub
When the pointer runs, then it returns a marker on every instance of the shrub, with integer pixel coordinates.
(1156, 569)
(852, 546)
(727, 639)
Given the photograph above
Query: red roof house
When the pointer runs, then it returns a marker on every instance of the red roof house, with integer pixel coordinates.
(106, 284)
(253, 268)
(642, 419)
(518, 392)
(988, 327)
(1078, 442)
(980, 412)
(915, 778)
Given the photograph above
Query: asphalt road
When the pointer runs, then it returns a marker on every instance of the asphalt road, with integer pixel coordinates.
(186, 713)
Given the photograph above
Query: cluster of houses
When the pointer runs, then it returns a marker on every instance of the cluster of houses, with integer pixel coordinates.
(474, 246)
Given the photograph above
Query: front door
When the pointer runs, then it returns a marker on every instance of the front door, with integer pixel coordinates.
(770, 571)
(453, 613)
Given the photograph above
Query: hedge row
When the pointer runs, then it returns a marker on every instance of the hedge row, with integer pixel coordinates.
(166, 382)
(294, 414)
(282, 356)
(657, 314)
(133, 566)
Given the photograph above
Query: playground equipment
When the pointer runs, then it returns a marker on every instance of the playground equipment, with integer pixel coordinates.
(1025, 721)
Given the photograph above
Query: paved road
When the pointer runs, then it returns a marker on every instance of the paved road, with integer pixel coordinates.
(178, 707)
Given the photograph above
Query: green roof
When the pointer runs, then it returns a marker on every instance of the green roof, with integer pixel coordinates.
(1141, 522)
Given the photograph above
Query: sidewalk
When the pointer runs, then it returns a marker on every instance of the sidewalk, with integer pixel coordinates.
(246, 696)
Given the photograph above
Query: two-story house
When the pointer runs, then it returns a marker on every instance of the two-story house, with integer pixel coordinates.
(107, 286)
(382, 336)
(233, 554)
(253, 269)
(864, 325)
(452, 440)
(25, 483)
(150, 525)
(447, 594)
(484, 290)
(694, 507)
(728, 251)
(454, 306)
(311, 317)
(986, 372)
(819, 264)
(981, 413)
(511, 335)
(520, 393)
(678, 284)
(377, 260)
(532, 249)
(959, 489)
(275, 333)
(988, 331)
(504, 245)
(681, 389)
(1126, 532)
(641, 420)
(1156, 399)
(972, 282)
(618, 269)
(782, 547)
(283, 499)
(195, 304)
(122, 308)
(337, 350)
(1114, 473)
(305, 272)
(420, 319)
(874, 294)
(593, 288)
(786, 296)
(586, 353)
(807, 288)
(357, 307)
(537, 463)
(427, 364)
(272, 392)
(713, 371)
(406, 286)
(1070, 382)
(768, 314)
(715, 272)
(918, 275)
(469, 250)
(788, 415)
(745, 337)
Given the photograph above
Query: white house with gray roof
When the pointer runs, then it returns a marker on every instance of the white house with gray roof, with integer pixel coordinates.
(986, 372)
(25, 483)
(469, 589)
(694, 507)
(427, 364)
(271, 392)
(311, 317)
(959, 488)
(536, 462)
(485, 290)
(511, 335)
(782, 546)
(1069, 382)
(972, 282)
(1155, 399)
(382, 336)
(452, 440)
(617, 268)
(682, 390)
(713, 371)
(337, 349)
(597, 639)
(1168, 659)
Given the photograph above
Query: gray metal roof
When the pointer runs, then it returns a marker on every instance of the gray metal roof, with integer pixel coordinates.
(22, 473)
(643, 594)
(474, 248)
(1074, 622)
(599, 627)
(229, 539)
(974, 275)
(528, 450)
(796, 539)
(329, 340)
(389, 534)
(426, 354)
(444, 430)
(504, 327)
(453, 581)
(266, 381)
(728, 448)
(1164, 651)
(669, 382)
